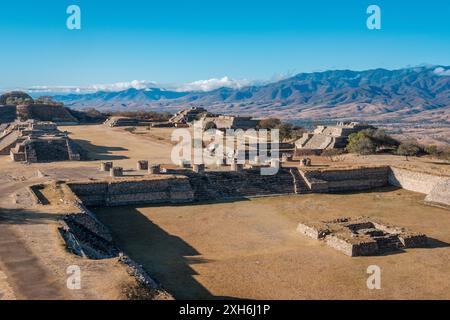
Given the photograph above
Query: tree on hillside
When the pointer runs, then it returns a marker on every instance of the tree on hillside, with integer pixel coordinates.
(210, 125)
(369, 141)
(432, 150)
(360, 143)
(382, 139)
(408, 149)
(269, 123)
(285, 131)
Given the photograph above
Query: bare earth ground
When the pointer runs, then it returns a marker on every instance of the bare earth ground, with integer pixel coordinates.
(426, 134)
(241, 249)
(33, 258)
(250, 249)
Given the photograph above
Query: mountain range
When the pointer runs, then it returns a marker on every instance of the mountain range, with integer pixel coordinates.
(419, 94)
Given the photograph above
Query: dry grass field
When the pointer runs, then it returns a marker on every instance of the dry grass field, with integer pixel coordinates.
(250, 249)
(244, 249)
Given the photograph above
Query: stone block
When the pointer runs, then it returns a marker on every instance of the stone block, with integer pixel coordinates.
(154, 169)
(199, 168)
(116, 172)
(142, 165)
(106, 166)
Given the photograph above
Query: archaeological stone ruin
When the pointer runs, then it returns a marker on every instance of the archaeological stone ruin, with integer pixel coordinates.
(362, 236)
(187, 117)
(328, 137)
(34, 141)
(20, 106)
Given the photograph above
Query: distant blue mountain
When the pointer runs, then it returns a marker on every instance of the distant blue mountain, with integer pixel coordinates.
(417, 94)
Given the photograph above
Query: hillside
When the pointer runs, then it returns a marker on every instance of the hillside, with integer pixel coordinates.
(418, 94)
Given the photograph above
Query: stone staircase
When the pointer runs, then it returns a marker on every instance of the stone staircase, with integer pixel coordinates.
(318, 141)
(300, 186)
(8, 141)
(245, 184)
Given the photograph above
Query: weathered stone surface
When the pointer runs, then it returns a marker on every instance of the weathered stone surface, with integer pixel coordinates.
(142, 165)
(414, 181)
(154, 169)
(106, 166)
(343, 180)
(413, 240)
(116, 172)
(440, 193)
(35, 141)
(130, 191)
(361, 236)
(313, 230)
(328, 137)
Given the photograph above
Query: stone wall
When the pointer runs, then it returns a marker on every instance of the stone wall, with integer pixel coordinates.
(128, 191)
(245, 184)
(440, 194)
(362, 236)
(45, 112)
(414, 181)
(329, 181)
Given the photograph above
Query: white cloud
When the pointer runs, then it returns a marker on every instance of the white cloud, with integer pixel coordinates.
(113, 87)
(51, 89)
(214, 83)
(200, 85)
(441, 71)
(121, 86)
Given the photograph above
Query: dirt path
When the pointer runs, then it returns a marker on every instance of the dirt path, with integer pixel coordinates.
(24, 274)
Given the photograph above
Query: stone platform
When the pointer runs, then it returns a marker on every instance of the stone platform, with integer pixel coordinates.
(362, 236)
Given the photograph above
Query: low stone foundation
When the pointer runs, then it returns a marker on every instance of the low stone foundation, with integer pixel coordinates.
(345, 180)
(162, 189)
(362, 236)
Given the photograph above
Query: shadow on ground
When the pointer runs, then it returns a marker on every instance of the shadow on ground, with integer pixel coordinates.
(25, 216)
(95, 152)
(368, 191)
(167, 258)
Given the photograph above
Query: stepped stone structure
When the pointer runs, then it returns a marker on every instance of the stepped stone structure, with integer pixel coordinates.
(223, 122)
(20, 106)
(245, 183)
(186, 116)
(126, 122)
(362, 236)
(328, 137)
(37, 141)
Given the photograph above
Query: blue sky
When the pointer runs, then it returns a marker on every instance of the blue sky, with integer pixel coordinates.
(183, 41)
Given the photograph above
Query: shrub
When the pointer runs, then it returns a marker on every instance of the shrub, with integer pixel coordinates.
(361, 143)
(409, 149)
(431, 150)
(369, 141)
(269, 123)
(286, 131)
